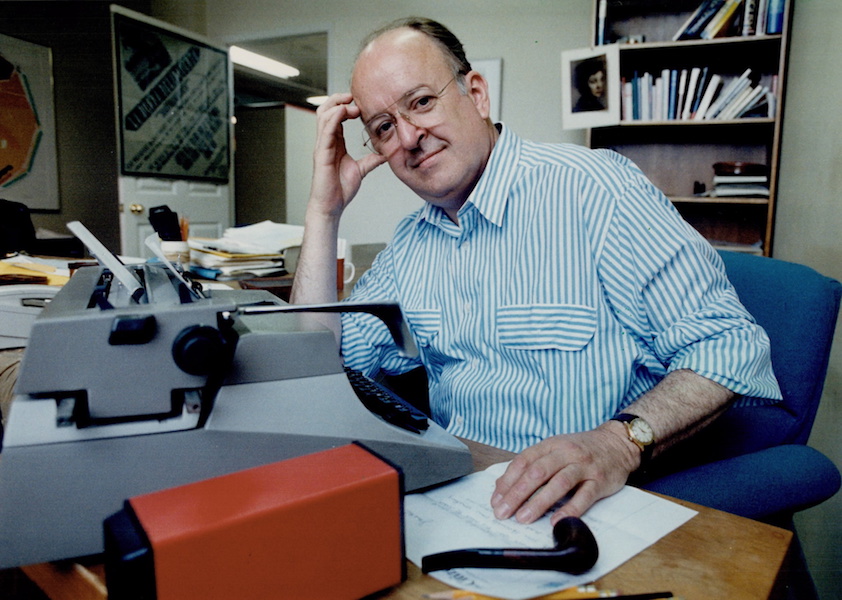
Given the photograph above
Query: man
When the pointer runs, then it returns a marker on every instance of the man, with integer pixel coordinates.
(549, 287)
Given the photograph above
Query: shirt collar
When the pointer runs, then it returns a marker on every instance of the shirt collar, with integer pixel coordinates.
(490, 195)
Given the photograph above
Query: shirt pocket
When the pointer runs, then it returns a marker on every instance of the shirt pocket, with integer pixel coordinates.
(424, 323)
(567, 327)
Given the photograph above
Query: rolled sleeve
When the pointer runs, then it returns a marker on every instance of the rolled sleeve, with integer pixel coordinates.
(366, 343)
(679, 302)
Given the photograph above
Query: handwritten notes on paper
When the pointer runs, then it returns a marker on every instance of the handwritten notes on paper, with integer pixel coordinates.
(459, 515)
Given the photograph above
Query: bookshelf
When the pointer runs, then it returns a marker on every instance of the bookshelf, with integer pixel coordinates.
(667, 130)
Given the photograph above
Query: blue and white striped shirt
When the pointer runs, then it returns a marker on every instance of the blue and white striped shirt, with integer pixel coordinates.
(570, 287)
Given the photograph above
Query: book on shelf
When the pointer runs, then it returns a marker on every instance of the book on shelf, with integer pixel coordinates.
(743, 179)
(749, 25)
(626, 100)
(690, 94)
(700, 90)
(693, 26)
(711, 91)
(755, 248)
(775, 16)
(718, 18)
(761, 17)
(735, 190)
(719, 25)
(680, 93)
(729, 91)
(747, 101)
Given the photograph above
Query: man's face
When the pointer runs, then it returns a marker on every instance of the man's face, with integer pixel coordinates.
(441, 158)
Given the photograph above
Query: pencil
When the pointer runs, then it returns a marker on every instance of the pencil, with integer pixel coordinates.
(568, 594)
(581, 592)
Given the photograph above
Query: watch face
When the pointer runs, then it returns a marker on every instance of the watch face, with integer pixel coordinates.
(642, 431)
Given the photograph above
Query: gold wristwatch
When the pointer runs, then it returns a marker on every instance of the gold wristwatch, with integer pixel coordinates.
(640, 433)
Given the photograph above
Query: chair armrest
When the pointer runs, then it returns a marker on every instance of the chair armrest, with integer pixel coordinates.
(759, 485)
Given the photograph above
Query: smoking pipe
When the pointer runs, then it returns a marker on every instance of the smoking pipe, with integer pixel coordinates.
(575, 552)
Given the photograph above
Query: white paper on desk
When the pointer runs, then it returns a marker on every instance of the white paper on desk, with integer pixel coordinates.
(267, 235)
(459, 515)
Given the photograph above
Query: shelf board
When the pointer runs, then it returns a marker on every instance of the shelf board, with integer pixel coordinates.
(693, 123)
(749, 39)
(719, 200)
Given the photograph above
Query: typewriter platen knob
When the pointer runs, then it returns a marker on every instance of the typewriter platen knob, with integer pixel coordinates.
(200, 350)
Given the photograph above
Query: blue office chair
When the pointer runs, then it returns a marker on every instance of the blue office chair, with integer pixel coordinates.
(754, 461)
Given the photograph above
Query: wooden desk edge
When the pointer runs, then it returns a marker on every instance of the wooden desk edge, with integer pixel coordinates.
(754, 579)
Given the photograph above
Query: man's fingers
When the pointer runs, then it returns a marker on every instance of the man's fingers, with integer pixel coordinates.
(557, 487)
(529, 487)
(594, 464)
(370, 162)
(584, 497)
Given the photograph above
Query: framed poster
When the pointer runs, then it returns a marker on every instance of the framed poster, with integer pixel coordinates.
(28, 166)
(590, 87)
(173, 102)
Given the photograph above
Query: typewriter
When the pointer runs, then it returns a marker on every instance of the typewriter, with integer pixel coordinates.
(128, 389)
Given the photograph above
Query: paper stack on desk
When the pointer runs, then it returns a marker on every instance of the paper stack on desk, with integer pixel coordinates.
(221, 259)
(459, 515)
(253, 250)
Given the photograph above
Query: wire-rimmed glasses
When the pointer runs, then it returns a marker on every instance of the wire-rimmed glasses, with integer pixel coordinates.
(417, 107)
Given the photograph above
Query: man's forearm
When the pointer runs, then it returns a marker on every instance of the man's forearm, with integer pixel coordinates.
(315, 273)
(682, 404)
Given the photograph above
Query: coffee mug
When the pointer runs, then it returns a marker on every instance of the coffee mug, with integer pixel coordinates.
(345, 272)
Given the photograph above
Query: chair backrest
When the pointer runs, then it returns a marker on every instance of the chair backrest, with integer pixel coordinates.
(798, 307)
(16, 230)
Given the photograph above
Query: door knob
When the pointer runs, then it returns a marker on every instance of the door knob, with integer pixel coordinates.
(137, 209)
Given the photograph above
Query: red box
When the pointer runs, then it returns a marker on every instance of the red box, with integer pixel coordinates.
(325, 525)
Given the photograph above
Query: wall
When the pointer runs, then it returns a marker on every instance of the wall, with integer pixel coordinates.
(300, 140)
(808, 227)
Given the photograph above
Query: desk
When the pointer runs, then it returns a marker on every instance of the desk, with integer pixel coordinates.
(714, 555)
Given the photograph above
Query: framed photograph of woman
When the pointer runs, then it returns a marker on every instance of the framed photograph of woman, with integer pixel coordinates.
(590, 87)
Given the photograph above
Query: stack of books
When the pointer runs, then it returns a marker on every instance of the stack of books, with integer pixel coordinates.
(722, 18)
(740, 179)
(694, 95)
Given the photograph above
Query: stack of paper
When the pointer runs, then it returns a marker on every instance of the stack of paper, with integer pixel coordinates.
(250, 251)
(213, 260)
(266, 236)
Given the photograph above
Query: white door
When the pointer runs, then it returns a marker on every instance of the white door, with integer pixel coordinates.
(207, 206)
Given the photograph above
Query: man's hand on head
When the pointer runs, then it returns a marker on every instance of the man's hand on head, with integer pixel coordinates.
(337, 176)
(588, 466)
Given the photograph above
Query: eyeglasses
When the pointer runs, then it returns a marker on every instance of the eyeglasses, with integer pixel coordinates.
(417, 107)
